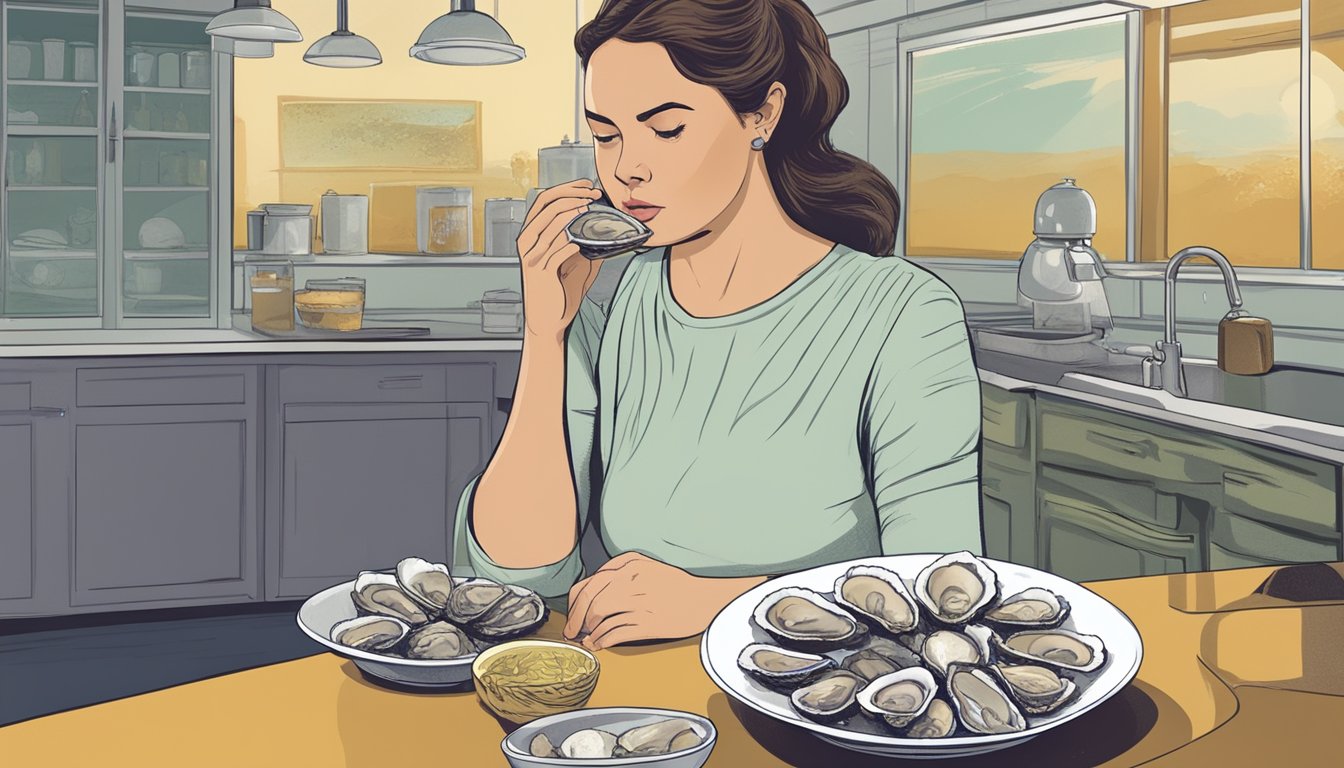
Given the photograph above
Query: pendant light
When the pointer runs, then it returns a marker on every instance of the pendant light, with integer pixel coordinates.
(466, 37)
(243, 49)
(254, 20)
(343, 48)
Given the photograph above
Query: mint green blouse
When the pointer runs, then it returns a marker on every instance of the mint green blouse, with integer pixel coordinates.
(837, 419)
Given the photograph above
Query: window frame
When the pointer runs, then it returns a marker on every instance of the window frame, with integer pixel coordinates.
(1134, 21)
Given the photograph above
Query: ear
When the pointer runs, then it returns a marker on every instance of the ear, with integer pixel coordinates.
(766, 117)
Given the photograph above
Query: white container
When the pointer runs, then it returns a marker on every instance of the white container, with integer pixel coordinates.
(443, 220)
(566, 162)
(195, 69)
(502, 311)
(19, 60)
(170, 70)
(345, 223)
(140, 67)
(86, 65)
(503, 223)
(287, 234)
(53, 59)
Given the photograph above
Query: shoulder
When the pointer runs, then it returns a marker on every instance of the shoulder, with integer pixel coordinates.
(901, 291)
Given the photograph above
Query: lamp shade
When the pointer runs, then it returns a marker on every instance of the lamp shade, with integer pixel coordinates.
(244, 49)
(343, 49)
(254, 20)
(466, 37)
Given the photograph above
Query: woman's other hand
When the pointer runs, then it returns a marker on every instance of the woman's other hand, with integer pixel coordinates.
(634, 597)
(555, 277)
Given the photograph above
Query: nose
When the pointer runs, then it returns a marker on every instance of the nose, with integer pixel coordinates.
(630, 171)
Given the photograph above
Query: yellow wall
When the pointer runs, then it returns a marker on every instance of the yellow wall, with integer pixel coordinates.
(524, 106)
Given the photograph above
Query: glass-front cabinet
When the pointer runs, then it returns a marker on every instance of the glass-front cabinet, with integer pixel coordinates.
(116, 123)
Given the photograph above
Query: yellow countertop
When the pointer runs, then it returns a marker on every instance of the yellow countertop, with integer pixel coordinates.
(1226, 680)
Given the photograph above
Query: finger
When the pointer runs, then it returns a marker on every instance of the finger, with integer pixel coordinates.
(577, 187)
(611, 602)
(563, 256)
(540, 212)
(580, 598)
(554, 232)
(625, 628)
(621, 560)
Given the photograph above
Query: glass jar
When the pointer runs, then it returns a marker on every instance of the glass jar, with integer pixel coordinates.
(443, 219)
(334, 304)
(503, 223)
(272, 290)
(502, 311)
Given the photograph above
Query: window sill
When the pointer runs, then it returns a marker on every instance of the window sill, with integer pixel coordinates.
(1157, 271)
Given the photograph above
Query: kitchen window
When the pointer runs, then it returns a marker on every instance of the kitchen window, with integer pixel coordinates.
(1213, 153)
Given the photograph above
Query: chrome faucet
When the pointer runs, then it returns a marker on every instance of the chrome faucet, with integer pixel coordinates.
(1163, 368)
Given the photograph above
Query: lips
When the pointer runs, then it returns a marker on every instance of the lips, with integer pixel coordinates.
(641, 210)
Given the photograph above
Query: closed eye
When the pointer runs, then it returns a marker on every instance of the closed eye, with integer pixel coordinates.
(604, 139)
(672, 134)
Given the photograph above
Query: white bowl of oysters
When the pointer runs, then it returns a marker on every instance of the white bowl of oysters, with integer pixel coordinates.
(922, 656)
(418, 625)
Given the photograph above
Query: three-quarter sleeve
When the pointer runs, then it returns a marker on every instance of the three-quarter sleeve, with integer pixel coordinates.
(921, 428)
(554, 580)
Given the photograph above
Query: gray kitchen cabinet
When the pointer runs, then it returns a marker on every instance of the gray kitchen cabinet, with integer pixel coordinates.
(1007, 475)
(34, 465)
(1086, 542)
(369, 462)
(165, 469)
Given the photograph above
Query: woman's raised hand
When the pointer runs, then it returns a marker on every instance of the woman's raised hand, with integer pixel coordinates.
(555, 276)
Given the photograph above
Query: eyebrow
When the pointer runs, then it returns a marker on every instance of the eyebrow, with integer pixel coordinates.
(642, 116)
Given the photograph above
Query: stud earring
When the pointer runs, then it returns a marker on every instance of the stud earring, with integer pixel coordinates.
(758, 143)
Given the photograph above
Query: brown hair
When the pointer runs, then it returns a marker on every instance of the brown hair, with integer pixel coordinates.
(740, 47)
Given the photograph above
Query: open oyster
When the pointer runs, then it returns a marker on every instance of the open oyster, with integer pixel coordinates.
(937, 721)
(878, 595)
(946, 647)
(781, 667)
(832, 697)
(369, 633)
(1037, 689)
(899, 697)
(603, 231)
(870, 664)
(956, 587)
(981, 704)
(470, 600)
(1030, 608)
(588, 743)
(438, 640)
(429, 584)
(379, 593)
(520, 611)
(661, 738)
(1058, 648)
(804, 619)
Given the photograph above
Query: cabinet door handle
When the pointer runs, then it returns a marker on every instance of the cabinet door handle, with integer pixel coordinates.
(112, 137)
(401, 382)
(1140, 448)
(37, 413)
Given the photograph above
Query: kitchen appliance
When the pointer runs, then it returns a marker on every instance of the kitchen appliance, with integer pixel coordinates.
(345, 223)
(567, 161)
(1060, 275)
(272, 291)
(443, 219)
(287, 229)
(53, 59)
(86, 65)
(170, 70)
(503, 223)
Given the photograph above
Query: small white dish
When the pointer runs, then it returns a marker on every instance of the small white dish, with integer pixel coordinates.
(613, 720)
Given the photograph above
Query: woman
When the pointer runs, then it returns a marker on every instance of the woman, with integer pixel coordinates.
(765, 392)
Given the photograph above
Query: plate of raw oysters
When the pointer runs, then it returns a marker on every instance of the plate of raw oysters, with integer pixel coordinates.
(922, 656)
(418, 625)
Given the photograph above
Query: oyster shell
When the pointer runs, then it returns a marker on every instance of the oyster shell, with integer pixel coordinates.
(878, 595)
(1059, 648)
(937, 721)
(946, 647)
(1034, 607)
(832, 697)
(781, 667)
(541, 746)
(603, 231)
(520, 611)
(661, 738)
(899, 697)
(369, 633)
(470, 600)
(379, 593)
(804, 619)
(429, 584)
(589, 742)
(1037, 689)
(981, 704)
(870, 664)
(438, 640)
(956, 587)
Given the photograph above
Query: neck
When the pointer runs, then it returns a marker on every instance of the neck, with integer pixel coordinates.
(752, 241)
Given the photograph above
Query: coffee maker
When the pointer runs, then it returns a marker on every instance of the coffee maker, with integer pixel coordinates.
(1060, 275)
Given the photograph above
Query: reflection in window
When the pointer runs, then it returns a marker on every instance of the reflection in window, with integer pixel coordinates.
(1234, 175)
(996, 122)
(1327, 135)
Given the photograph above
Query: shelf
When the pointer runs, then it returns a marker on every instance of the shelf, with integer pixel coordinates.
(29, 129)
(53, 9)
(56, 83)
(153, 188)
(162, 89)
(48, 188)
(136, 134)
(50, 254)
(184, 254)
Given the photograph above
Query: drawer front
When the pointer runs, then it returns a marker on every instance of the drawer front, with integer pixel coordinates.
(180, 385)
(1137, 501)
(1082, 542)
(1290, 491)
(364, 384)
(1005, 417)
(1256, 540)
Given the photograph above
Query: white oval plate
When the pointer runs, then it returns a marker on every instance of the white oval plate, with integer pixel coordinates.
(1089, 613)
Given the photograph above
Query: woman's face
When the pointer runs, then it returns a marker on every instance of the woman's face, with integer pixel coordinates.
(670, 152)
